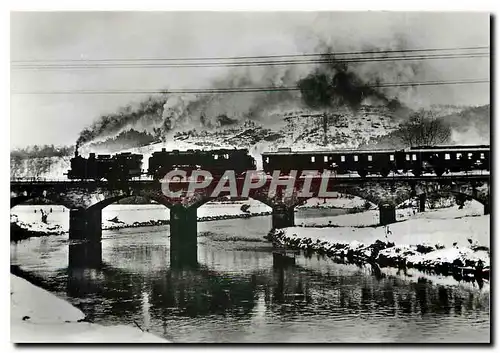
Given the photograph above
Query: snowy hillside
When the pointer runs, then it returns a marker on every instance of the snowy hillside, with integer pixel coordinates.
(298, 130)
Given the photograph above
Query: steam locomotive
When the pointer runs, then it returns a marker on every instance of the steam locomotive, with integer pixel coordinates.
(214, 161)
(125, 166)
(418, 160)
(122, 166)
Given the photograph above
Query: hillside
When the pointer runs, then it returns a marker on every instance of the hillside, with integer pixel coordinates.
(370, 127)
(469, 126)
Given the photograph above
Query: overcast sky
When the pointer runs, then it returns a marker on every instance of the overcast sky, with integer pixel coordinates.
(57, 119)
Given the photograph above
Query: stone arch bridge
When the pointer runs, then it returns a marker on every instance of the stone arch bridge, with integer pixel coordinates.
(86, 199)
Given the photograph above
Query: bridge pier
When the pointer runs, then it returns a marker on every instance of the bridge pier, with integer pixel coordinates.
(422, 198)
(85, 225)
(283, 216)
(387, 214)
(183, 236)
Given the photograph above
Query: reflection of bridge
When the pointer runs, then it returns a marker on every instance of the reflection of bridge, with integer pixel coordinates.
(86, 199)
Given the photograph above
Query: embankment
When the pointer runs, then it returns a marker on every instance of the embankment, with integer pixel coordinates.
(410, 244)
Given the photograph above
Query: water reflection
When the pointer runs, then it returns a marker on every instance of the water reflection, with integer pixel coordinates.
(85, 255)
(288, 292)
(239, 295)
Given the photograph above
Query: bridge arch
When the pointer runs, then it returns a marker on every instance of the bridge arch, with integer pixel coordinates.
(19, 200)
(445, 193)
(99, 206)
(202, 201)
(302, 201)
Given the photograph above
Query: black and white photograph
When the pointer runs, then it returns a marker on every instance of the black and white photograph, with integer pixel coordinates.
(250, 177)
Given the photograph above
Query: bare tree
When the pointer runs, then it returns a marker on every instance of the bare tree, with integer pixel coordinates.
(423, 129)
(16, 167)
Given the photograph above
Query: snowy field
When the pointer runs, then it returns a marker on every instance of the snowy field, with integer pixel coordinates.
(37, 316)
(445, 226)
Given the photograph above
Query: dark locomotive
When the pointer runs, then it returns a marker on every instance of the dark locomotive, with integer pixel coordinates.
(418, 160)
(121, 166)
(126, 166)
(214, 161)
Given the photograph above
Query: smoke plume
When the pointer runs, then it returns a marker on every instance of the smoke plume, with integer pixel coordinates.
(146, 114)
(331, 85)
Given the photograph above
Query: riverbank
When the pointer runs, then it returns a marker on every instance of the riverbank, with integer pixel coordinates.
(434, 241)
(162, 222)
(37, 316)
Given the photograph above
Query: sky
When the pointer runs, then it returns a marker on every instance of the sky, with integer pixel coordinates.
(58, 118)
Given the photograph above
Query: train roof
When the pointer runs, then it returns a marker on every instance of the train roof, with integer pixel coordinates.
(456, 149)
(450, 147)
(190, 151)
(290, 152)
(284, 152)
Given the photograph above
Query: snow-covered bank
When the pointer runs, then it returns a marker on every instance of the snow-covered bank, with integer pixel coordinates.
(341, 201)
(445, 226)
(119, 225)
(38, 316)
(432, 241)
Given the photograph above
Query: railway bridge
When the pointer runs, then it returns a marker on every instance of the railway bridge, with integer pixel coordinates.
(86, 199)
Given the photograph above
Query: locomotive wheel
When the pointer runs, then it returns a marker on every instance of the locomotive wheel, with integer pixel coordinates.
(362, 173)
(417, 172)
(384, 173)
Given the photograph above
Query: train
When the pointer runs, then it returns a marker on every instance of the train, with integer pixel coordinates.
(127, 166)
(121, 166)
(215, 161)
(417, 160)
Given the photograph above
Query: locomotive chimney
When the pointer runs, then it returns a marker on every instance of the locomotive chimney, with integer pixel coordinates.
(76, 150)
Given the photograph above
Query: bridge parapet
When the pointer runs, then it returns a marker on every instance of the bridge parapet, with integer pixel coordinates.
(390, 191)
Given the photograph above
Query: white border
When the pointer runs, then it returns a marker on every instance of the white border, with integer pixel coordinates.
(213, 5)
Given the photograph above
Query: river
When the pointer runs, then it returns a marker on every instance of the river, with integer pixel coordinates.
(236, 295)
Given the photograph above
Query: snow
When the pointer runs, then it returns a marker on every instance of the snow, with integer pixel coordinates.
(340, 202)
(431, 240)
(450, 255)
(51, 319)
(434, 226)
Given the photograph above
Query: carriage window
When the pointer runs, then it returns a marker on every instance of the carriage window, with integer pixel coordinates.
(414, 157)
(356, 158)
(470, 155)
(482, 156)
(447, 156)
(226, 156)
(459, 155)
(391, 157)
(407, 157)
(370, 158)
(342, 158)
(216, 156)
(325, 159)
(267, 159)
(313, 159)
